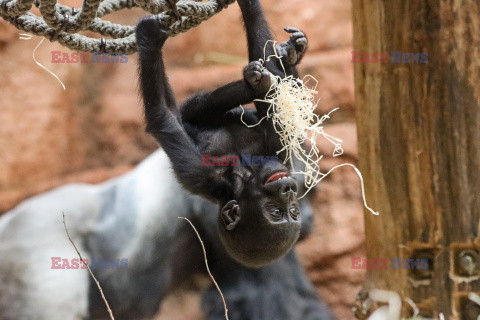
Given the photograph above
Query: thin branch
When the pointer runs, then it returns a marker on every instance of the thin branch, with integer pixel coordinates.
(208, 268)
(89, 270)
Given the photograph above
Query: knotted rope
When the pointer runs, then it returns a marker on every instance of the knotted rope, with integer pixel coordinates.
(61, 23)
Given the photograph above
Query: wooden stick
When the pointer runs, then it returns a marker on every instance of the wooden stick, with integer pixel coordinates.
(208, 268)
(89, 270)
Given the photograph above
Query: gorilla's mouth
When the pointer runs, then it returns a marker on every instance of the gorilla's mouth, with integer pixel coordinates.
(277, 176)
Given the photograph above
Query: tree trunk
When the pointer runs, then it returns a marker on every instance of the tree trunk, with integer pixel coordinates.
(419, 148)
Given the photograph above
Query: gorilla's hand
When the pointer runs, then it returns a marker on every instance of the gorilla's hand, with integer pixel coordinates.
(293, 50)
(150, 32)
(258, 77)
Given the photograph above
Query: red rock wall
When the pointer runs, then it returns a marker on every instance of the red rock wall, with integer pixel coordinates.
(94, 130)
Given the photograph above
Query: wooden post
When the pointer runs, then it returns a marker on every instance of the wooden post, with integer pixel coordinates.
(419, 148)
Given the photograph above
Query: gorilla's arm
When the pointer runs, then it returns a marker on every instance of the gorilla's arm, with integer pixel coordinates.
(163, 119)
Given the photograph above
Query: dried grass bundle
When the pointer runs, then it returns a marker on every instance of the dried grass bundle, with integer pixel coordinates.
(292, 104)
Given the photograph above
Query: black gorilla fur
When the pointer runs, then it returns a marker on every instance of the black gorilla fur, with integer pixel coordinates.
(135, 216)
(258, 218)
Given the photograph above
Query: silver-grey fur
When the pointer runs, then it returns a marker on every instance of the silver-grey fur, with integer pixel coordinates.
(134, 217)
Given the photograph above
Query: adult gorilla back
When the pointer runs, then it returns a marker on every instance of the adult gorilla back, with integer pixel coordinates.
(135, 217)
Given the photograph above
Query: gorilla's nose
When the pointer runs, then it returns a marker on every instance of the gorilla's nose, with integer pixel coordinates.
(288, 188)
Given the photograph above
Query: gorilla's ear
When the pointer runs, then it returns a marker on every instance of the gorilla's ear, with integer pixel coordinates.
(231, 215)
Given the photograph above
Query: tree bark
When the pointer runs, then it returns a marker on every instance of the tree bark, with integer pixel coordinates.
(419, 148)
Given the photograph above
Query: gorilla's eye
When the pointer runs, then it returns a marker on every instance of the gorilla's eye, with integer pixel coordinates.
(294, 213)
(277, 215)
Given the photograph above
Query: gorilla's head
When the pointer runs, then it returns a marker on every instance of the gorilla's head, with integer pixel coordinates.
(263, 222)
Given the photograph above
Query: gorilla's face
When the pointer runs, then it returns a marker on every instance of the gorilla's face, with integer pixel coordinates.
(263, 223)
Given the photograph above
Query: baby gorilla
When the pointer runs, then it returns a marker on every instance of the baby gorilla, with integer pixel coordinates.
(259, 218)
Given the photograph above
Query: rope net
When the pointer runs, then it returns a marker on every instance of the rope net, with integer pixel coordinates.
(61, 23)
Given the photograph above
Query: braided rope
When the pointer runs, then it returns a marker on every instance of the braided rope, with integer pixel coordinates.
(57, 24)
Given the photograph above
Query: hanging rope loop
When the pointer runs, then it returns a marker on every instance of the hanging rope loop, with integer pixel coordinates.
(62, 23)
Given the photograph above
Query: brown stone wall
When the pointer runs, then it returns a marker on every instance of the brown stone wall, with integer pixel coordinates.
(94, 130)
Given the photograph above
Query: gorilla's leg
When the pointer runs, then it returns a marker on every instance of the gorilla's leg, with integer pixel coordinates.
(208, 108)
(279, 291)
(258, 33)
